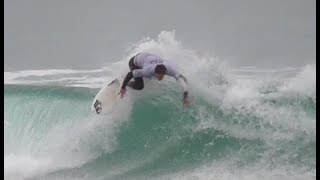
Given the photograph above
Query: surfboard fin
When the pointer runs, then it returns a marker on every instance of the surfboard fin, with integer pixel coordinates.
(97, 106)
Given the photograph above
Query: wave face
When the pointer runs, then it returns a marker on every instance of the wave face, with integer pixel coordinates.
(244, 123)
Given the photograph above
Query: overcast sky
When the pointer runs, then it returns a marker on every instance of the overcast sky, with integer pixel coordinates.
(83, 34)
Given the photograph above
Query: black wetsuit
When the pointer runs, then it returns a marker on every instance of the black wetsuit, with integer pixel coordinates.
(137, 84)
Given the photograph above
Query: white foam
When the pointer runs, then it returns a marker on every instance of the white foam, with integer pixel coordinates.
(226, 170)
(303, 84)
(68, 144)
(23, 166)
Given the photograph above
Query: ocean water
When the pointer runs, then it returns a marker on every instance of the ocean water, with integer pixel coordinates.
(243, 123)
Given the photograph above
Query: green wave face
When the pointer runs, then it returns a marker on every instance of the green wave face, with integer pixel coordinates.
(153, 135)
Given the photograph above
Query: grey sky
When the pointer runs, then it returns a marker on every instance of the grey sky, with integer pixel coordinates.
(84, 34)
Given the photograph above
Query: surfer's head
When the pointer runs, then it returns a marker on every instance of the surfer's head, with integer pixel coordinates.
(160, 71)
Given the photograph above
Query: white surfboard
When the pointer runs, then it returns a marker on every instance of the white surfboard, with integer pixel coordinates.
(107, 98)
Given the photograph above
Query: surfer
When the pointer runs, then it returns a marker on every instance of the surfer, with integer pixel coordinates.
(146, 65)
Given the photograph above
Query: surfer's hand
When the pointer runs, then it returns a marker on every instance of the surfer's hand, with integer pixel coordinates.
(122, 92)
(186, 102)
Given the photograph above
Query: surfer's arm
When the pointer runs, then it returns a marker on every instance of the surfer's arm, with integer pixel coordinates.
(128, 77)
(180, 78)
(183, 82)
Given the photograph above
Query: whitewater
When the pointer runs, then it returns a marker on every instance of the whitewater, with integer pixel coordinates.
(244, 122)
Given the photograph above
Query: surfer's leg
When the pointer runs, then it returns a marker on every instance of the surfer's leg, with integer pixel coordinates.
(132, 66)
(137, 84)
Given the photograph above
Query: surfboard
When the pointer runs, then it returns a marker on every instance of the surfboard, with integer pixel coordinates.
(107, 98)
